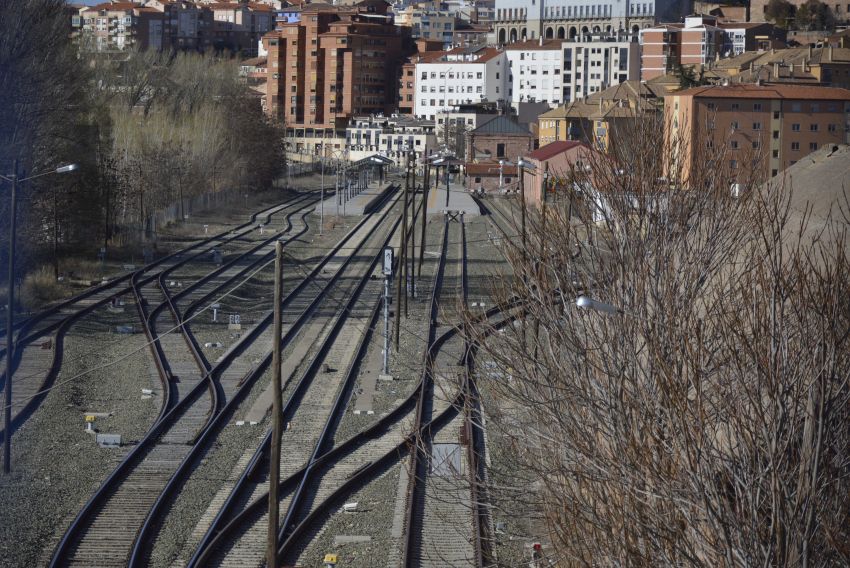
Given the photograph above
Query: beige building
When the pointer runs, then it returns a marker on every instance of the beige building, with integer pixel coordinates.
(595, 119)
(828, 66)
(765, 128)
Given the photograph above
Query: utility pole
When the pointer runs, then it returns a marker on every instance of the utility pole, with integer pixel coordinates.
(424, 211)
(446, 167)
(388, 274)
(401, 257)
(322, 202)
(520, 165)
(405, 237)
(413, 234)
(277, 404)
(10, 333)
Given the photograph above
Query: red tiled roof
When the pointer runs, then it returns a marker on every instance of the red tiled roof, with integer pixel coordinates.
(488, 169)
(117, 6)
(257, 7)
(750, 91)
(534, 44)
(553, 149)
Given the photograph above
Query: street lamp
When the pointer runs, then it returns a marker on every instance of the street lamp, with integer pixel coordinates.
(588, 303)
(10, 346)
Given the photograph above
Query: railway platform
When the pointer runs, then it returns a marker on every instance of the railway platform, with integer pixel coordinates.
(359, 204)
(460, 200)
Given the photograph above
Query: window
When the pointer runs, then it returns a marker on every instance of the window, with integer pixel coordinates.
(756, 144)
(500, 150)
(795, 146)
(733, 164)
(795, 127)
(776, 135)
(734, 125)
(796, 107)
(813, 127)
(813, 146)
(775, 153)
(756, 107)
(733, 144)
(776, 115)
(815, 107)
(735, 106)
(757, 126)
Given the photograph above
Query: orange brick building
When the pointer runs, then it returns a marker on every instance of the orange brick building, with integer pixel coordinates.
(766, 128)
(667, 46)
(335, 63)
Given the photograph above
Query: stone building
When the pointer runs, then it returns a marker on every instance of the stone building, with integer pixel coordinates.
(518, 20)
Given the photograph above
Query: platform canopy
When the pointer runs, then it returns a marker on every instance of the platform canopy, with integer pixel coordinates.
(373, 160)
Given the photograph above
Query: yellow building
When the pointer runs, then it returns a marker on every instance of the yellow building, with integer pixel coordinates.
(594, 118)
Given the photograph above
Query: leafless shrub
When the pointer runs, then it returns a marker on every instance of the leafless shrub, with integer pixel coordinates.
(707, 423)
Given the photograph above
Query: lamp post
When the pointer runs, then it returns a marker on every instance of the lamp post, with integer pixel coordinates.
(10, 346)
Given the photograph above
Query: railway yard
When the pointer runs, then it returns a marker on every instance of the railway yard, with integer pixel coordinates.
(174, 358)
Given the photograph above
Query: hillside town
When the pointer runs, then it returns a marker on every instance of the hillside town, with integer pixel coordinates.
(424, 284)
(370, 77)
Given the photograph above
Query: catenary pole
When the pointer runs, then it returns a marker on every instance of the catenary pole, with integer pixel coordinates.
(277, 404)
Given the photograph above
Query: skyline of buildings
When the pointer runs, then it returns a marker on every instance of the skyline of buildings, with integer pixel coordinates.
(350, 78)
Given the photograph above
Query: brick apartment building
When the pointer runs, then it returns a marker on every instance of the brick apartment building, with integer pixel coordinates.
(700, 40)
(337, 62)
(767, 128)
(664, 47)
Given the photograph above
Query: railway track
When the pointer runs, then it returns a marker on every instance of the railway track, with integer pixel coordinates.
(443, 414)
(35, 372)
(313, 406)
(306, 489)
(438, 526)
(161, 460)
(316, 490)
(110, 516)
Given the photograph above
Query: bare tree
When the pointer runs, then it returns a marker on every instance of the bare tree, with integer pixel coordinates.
(705, 422)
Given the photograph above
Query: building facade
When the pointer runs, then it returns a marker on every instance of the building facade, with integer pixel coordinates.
(518, 20)
(174, 26)
(593, 66)
(765, 128)
(459, 76)
(665, 47)
(335, 63)
(393, 137)
(535, 72)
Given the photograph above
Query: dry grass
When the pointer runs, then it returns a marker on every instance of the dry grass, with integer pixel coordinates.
(41, 288)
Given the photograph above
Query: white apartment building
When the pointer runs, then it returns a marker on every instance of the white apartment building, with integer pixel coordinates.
(459, 76)
(392, 137)
(593, 65)
(535, 72)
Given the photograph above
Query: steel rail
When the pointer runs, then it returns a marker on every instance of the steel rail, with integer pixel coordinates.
(140, 548)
